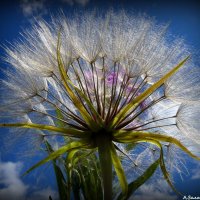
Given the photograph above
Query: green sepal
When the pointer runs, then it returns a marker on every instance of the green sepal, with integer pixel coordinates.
(135, 136)
(65, 131)
(65, 79)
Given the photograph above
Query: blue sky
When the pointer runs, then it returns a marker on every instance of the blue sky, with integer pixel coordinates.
(184, 18)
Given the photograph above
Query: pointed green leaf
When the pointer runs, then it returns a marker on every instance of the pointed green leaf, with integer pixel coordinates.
(90, 174)
(70, 156)
(59, 152)
(162, 164)
(146, 93)
(134, 185)
(165, 172)
(119, 171)
(76, 184)
(82, 156)
(70, 169)
(84, 180)
(61, 182)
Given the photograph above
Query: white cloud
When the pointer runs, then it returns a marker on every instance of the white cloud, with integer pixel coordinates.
(38, 8)
(80, 2)
(158, 190)
(33, 7)
(13, 188)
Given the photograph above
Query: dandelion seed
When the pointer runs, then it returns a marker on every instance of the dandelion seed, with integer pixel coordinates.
(111, 85)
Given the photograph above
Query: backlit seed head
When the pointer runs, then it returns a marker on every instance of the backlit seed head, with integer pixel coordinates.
(105, 63)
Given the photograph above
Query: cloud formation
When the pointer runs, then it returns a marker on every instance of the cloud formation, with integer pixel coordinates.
(13, 188)
(33, 7)
(38, 8)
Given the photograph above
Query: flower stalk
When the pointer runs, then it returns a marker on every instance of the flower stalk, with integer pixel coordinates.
(103, 143)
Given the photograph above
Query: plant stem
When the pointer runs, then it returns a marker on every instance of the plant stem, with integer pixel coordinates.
(103, 144)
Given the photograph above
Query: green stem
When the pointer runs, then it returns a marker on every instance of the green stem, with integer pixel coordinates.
(103, 144)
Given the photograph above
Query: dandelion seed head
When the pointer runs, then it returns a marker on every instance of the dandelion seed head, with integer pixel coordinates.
(83, 72)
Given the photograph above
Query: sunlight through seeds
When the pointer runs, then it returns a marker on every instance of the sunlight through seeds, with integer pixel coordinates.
(111, 90)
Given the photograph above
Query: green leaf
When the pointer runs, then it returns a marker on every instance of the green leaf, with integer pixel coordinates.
(76, 185)
(60, 151)
(69, 169)
(165, 172)
(66, 131)
(119, 171)
(70, 156)
(82, 156)
(61, 182)
(146, 93)
(89, 170)
(84, 182)
(134, 185)
(162, 164)
(135, 136)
